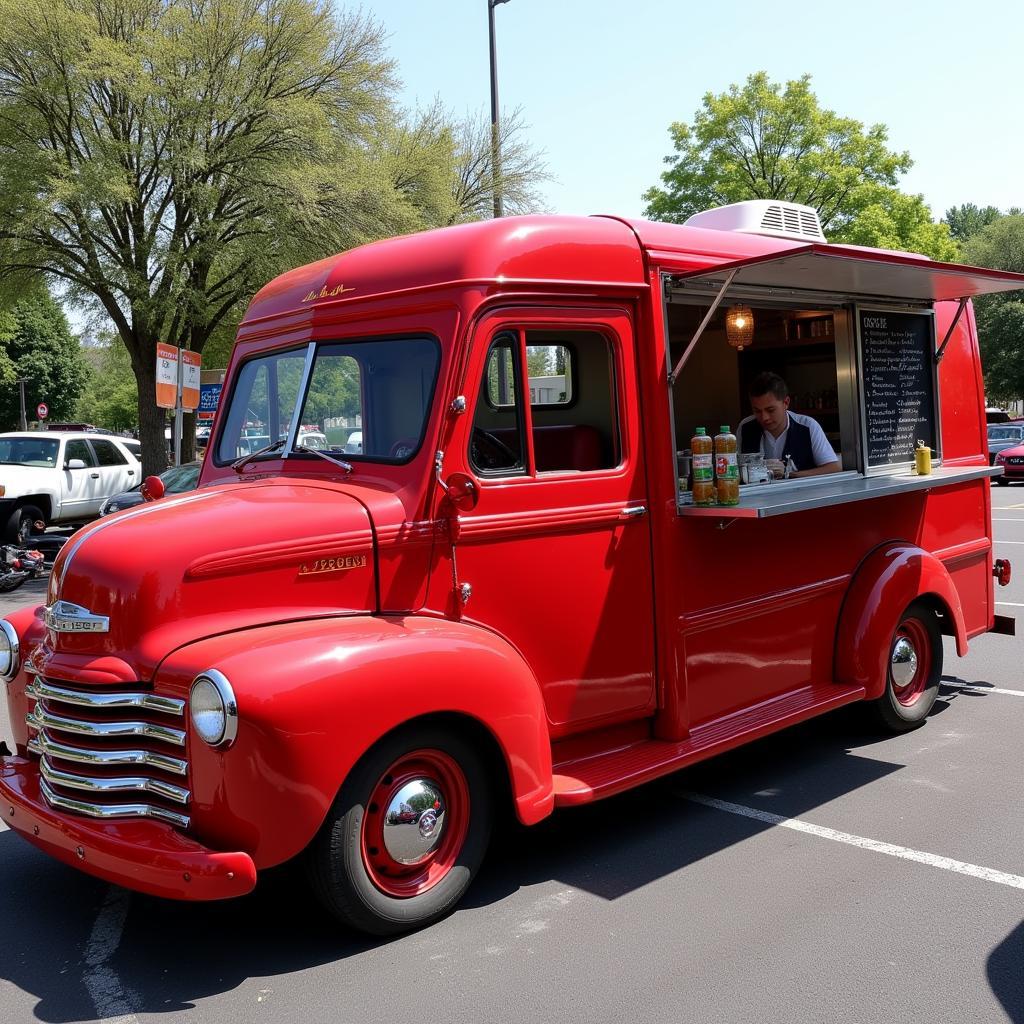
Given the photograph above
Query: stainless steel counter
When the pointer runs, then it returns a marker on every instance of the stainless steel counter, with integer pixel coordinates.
(787, 496)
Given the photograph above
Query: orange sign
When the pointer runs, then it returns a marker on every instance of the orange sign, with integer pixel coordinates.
(190, 363)
(166, 376)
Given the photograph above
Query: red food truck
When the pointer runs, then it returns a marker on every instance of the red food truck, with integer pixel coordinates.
(506, 600)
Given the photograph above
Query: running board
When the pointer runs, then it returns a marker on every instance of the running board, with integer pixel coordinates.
(594, 777)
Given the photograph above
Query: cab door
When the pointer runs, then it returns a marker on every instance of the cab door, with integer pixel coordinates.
(80, 487)
(557, 550)
(117, 473)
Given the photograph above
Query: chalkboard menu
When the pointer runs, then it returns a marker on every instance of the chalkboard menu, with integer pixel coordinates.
(897, 360)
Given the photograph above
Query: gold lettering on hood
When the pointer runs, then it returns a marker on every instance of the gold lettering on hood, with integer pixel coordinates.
(340, 563)
(326, 293)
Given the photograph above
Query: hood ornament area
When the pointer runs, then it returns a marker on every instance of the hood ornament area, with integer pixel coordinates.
(65, 617)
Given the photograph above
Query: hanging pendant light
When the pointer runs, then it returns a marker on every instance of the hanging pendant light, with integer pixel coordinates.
(739, 327)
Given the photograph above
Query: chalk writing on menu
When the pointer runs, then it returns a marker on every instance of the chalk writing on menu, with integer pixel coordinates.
(897, 359)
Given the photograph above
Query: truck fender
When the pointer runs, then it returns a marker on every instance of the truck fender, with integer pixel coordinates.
(314, 696)
(884, 584)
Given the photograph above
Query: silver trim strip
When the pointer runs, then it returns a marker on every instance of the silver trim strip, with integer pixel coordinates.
(123, 517)
(121, 784)
(107, 811)
(45, 744)
(150, 701)
(40, 718)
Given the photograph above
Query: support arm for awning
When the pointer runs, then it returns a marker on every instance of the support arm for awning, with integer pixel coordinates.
(952, 327)
(674, 375)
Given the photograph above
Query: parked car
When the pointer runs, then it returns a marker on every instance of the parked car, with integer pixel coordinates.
(59, 477)
(1002, 436)
(354, 444)
(1012, 461)
(177, 480)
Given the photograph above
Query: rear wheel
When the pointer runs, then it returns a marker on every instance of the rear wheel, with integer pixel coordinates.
(406, 835)
(914, 668)
(21, 525)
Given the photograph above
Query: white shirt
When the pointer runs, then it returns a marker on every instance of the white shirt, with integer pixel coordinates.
(775, 447)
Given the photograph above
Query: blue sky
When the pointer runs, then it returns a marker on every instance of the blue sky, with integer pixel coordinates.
(599, 82)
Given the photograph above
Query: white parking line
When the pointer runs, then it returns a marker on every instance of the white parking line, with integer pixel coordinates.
(903, 852)
(967, 688)
(1011, 604)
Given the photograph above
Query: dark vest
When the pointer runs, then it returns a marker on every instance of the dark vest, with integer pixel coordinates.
(798, 442)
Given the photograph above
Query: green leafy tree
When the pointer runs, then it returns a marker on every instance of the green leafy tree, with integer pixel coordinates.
(1001, 317)
(165, 158)
(766, 141)
(967, 220)
(894, 220)
(111, 398)
(38, 345)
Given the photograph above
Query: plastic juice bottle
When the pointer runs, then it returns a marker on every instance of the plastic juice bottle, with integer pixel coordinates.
(703, 468)
(727, 470)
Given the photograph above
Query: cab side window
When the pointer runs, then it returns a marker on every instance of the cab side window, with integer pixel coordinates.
(496, 445)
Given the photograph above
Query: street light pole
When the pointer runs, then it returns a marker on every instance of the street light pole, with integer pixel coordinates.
(495, 141)
(23, 420)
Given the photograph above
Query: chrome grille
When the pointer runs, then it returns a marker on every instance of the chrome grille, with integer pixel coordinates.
(85, 740)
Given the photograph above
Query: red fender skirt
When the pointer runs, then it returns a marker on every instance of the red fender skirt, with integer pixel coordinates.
(146, 856)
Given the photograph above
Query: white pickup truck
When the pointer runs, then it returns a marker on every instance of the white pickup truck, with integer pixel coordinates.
(59, 477)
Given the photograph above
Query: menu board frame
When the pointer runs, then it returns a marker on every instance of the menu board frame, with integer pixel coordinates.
(925, 311)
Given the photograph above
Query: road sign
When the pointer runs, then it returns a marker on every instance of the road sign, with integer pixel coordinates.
(190, 363)
(209, 399)
(42, 411)
(166, 376)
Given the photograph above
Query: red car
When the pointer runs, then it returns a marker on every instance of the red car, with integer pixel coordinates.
(1012, 461)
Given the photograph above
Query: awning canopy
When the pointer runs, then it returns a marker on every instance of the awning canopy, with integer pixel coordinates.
(860, 273)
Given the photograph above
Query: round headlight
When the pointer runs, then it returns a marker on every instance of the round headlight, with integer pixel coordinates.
(213, 708)
(9, 649)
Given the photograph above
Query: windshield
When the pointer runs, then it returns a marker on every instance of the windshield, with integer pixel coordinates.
(381, 389)
(1005, 433)
(28, 451)
(178, 479)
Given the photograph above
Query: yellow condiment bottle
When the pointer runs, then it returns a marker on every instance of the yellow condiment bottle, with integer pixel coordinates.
(923, 459)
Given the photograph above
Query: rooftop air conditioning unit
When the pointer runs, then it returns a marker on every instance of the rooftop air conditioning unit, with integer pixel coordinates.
(763, 217)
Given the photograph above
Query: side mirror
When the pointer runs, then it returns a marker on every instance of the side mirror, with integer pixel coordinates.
(462, 492)
(152, 488)
(75, 464)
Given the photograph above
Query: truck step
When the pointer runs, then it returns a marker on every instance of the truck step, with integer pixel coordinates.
(595, 776)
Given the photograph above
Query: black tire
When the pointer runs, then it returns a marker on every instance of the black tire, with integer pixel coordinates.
(1001, 481)
(21, 524)
(350, 871)
(906, 704)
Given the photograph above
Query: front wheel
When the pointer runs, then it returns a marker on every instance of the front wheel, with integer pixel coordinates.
(22, 524)
(406, 834)
(1001, 481)
(914, 668)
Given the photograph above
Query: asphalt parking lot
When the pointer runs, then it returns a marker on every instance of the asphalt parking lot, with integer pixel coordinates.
(823, 874)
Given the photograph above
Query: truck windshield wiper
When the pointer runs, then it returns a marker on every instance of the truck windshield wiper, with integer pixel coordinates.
(347, 466)
(239, 464)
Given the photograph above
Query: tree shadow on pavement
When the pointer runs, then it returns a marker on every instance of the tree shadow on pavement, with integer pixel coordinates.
(1006, 975)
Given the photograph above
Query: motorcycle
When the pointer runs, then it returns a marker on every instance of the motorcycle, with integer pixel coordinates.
(18, 565)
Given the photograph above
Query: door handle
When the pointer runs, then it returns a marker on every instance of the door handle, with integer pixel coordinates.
(633, 512)
(131, 472)
(95, 476)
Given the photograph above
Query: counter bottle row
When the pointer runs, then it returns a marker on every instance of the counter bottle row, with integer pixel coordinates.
(715, 470)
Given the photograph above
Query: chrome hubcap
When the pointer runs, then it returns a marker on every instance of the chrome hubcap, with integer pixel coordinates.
(414, 821)
(903, 662)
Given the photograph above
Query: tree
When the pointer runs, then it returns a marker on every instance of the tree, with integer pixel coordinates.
(765, 142)
(112, 398)
(894, 220)
(1001, 317)
(967, 220)
(523, 169)
(38, 345)
(165, 158)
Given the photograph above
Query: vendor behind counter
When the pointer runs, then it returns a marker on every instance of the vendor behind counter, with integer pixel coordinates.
(780, 434)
